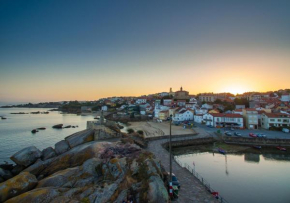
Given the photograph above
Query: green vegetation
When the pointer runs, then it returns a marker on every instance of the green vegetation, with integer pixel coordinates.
(140, 132)
(130, 130)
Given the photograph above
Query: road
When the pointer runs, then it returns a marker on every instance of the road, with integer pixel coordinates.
(245, 132)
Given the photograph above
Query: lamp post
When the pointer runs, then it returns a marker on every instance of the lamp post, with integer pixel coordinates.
(170, 160)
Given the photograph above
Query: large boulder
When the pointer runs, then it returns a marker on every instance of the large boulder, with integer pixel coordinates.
(17, 185)
(80, 138)
(5, 174)
(61, 147)
(74, 157)
(157, 191)
(43, 195)
(26, 156)
(48, 153)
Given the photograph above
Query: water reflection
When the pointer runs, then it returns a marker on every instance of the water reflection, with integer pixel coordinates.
(244, 177)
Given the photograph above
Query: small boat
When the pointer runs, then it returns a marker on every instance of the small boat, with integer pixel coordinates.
(281, 148)
(257, 147)
(221, 151)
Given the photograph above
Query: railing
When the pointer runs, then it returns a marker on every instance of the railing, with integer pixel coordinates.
(201, 179)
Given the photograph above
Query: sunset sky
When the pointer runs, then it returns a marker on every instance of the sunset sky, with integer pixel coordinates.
(85, 50)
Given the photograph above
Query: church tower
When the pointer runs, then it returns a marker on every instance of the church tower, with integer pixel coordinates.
(181, 88)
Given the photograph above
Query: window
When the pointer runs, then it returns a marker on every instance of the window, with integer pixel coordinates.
(272, 119)
(279, 120)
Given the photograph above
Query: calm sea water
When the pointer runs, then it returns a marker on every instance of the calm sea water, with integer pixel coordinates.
(15, 131)
(245, 178)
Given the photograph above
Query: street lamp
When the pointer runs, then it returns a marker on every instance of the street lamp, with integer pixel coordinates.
(170, 160)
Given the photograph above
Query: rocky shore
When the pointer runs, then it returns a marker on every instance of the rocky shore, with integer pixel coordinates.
(81, 169)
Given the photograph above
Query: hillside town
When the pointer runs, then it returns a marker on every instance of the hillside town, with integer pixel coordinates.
(250, 110)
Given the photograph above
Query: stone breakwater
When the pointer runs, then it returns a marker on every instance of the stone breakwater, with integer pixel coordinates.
(80, 169)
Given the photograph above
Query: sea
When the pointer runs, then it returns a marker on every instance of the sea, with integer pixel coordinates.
(15, 131)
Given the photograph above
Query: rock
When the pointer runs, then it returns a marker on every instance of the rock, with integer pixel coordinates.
(58, 179)
(5, 174)
(58, 126)
(48, 153)
(80, 138)
(44, 195)
(34, 131)
(6, 166)
(68, 126)
(61, 147)
(41, 128)
(122, 196)
(26, 156)
(104, 195)
(157, 191)
(74, 157)
(17, 169)
(17, 185)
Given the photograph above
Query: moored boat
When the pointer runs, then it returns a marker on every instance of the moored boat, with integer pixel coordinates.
(257, 147)
(221, 151)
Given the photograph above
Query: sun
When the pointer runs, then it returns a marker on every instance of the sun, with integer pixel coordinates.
(235, 89)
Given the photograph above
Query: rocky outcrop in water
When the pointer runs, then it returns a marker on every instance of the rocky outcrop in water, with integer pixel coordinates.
(58, 126)
(26, 156)
(89, 171)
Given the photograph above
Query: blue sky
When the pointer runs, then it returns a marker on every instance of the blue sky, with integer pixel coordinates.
(62, 50)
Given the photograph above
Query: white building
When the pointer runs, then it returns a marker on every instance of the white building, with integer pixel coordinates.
(207, 106)
(193, 101)
(251, 117)
(198, 118)
(141, 101)
(159, 108)
(275, 119)
(163, 94)
(104, 108)
(285, 97)
(224, 120)
(200, 110)
(183, 115)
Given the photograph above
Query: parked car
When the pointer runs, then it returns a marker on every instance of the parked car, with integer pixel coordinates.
(252, 135)
(285, 130)
(228, 133)
(237, 134)
(261, 135)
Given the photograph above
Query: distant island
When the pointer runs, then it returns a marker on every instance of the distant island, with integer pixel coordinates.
(39, 105)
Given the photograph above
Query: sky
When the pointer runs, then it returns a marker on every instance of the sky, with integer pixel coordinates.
(84, 50)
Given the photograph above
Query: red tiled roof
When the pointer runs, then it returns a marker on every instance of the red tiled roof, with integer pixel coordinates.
(226, 115)
(277, 115)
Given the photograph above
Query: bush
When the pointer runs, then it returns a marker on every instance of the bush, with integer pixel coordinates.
(140, 132)
(130, 130)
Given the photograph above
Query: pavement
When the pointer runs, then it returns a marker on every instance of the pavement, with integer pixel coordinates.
(191, 189)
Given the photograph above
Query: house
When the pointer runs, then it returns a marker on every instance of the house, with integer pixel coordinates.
(238, 111)
(224, 120)
(200, 111)
(189, 105)
(240, 106)
(163, 115)
(207, 106)
(159, 108)
(141, 101)
(285, 97)
(183, 115)
(192, 100)
(207, 97)
(198, 118)
(104, 108)
(167, 102)
(251, 117)
(163, 94)
(275, 119)
(181, 102)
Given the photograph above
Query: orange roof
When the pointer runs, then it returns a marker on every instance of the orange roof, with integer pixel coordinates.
(226, 115)
(277, 115)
